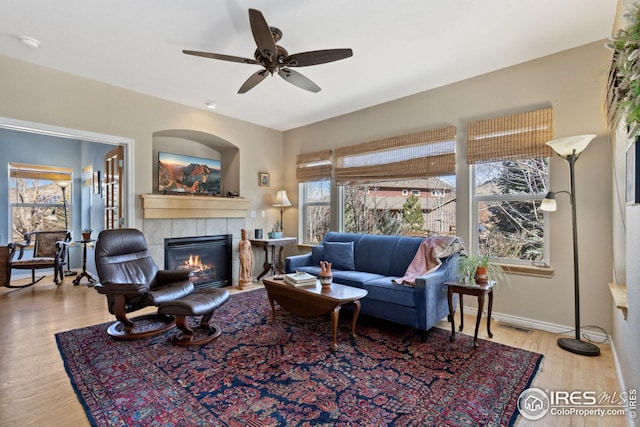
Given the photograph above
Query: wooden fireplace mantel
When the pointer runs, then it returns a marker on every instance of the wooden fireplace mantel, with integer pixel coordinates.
(165, 206)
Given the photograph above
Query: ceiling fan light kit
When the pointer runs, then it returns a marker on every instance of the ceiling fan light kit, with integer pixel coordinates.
(274, 58)
(30, 41)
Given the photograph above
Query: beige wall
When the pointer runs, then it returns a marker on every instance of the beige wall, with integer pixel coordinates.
(36, 94)
(573, 83)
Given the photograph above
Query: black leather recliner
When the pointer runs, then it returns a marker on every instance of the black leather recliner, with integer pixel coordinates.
(131, 280)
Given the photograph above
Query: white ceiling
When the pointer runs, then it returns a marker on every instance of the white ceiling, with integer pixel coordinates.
(401, 47)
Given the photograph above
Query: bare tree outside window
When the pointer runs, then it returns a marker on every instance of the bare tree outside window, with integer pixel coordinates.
(508, 194)
(365, 211)
(36, 203)
(316, 210)
(415, 207)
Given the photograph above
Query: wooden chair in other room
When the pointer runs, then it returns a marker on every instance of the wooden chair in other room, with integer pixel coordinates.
(49, 251)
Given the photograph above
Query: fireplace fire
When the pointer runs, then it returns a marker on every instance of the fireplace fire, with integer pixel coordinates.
(208, 258)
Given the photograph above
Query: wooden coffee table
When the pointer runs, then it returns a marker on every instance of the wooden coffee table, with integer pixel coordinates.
(314, 301)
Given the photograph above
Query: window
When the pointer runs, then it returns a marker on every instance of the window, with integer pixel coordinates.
(384, 208)
(375, 178)
(313, 174)
(316, 210)
(511, 171)
(507, 200)
(39, 198)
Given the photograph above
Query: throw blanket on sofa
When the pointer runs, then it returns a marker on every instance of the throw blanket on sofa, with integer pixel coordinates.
(427, 259)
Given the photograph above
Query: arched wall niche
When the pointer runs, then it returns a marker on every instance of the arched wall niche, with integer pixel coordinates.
(199, 144)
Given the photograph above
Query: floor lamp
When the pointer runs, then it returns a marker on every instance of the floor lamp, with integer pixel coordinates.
(63, 184)
(569, 149)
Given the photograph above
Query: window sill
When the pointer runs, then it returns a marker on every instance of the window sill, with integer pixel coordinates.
(619, 294)
(528, 270)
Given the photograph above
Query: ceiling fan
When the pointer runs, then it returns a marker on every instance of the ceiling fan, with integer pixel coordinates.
(275, 58)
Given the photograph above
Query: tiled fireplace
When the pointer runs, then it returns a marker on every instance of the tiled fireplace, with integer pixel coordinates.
(167, 217)
(206, 258)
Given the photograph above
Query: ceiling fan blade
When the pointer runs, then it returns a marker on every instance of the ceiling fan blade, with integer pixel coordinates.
(316, 57)
(262, 35)
(222, 57)
(297, 79)
(252, 81)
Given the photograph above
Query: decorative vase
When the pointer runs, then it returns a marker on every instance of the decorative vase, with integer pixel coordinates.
(86, 235)
(326, 278)
(481, 276)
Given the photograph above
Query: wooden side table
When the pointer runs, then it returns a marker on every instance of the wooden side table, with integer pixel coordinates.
(277, 246)
(479, 291)
(92, 280)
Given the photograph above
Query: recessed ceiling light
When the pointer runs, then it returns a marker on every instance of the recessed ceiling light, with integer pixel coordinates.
(29, 41)
(210, 105)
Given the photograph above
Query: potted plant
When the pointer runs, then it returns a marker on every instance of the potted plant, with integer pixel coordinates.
(474, 269)
(86, 234)
(277, 230)
(625, 82)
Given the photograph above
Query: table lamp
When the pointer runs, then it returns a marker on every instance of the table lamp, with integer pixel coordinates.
(281, 201)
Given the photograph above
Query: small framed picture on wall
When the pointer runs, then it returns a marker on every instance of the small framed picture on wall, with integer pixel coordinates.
(263, 179)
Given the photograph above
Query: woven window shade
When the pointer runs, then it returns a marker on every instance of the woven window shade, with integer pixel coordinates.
(421, 154)
(314, 166)
(615, 94)
(513, 137)
(52, 173)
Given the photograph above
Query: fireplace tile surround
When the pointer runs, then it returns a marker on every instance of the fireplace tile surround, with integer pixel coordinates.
(170, 216)
(156, 230)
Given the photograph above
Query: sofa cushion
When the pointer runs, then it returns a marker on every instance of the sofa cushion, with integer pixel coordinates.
(403, 254)
(317, 254)
(357, 279)
(311, 269)
(374, 254)
(340, 255)
(383, 289)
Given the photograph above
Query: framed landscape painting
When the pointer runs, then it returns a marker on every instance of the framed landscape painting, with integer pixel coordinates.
(178, 173)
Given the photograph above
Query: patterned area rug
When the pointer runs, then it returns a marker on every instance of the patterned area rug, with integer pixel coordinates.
(284, 374)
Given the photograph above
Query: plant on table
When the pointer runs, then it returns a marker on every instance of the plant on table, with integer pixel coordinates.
(469, 264)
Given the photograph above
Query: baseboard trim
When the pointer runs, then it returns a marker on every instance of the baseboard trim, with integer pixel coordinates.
(596, 337)
(620, 378)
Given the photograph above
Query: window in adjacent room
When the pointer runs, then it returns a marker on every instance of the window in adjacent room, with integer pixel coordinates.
(36, 198)
(313, 175)
(374, 179)
(510, 166)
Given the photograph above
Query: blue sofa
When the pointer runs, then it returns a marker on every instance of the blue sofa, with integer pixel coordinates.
(376, 261)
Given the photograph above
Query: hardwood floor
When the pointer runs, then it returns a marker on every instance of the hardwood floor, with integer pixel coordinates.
(35, 389)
